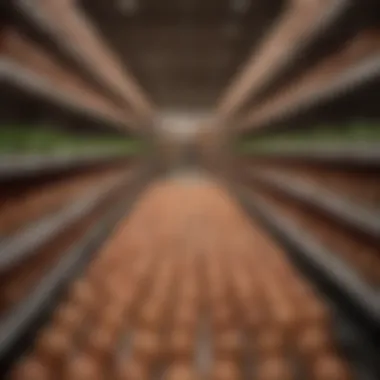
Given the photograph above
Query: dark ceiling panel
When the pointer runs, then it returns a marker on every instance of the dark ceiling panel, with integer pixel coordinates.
(183, 47)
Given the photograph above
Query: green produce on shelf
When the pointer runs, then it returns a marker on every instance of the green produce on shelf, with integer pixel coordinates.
(21, 139)
(327, 135)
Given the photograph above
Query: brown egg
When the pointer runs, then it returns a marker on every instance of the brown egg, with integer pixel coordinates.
(301, 289)
(181, 345)
(189, 293)
(215, 280)
(166, 274)
(330, 367)
(100, 343)
(131, 370)
(189, 275)
(254, 317)
(222, 317)
(244, 295)
(274, 368)
(151, 314)
(31, 369)
(146, 346)
(82, 367)
(141, 269)
(225, 370)
(180, 371)
(112, 317)
(82, 293)
(68, 317)
(316, 312)
(115, 290)
(190, 304)
(313, 341)
(216, 297)
(53, 345)
(101, 270)
(228, 345)
(125, 295)
(269, 342)
(160, 294)
(186, 318)
(285, 315)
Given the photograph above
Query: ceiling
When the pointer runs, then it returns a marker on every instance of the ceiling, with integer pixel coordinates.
(182, 52)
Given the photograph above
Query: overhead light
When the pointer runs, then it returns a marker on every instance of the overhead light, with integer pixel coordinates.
(127, 6)
(240, 6)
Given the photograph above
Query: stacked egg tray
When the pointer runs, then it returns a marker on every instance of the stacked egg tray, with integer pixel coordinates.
(20, 209)
(32, 279)
(359, 253)
(187, 288)
(359, 185)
